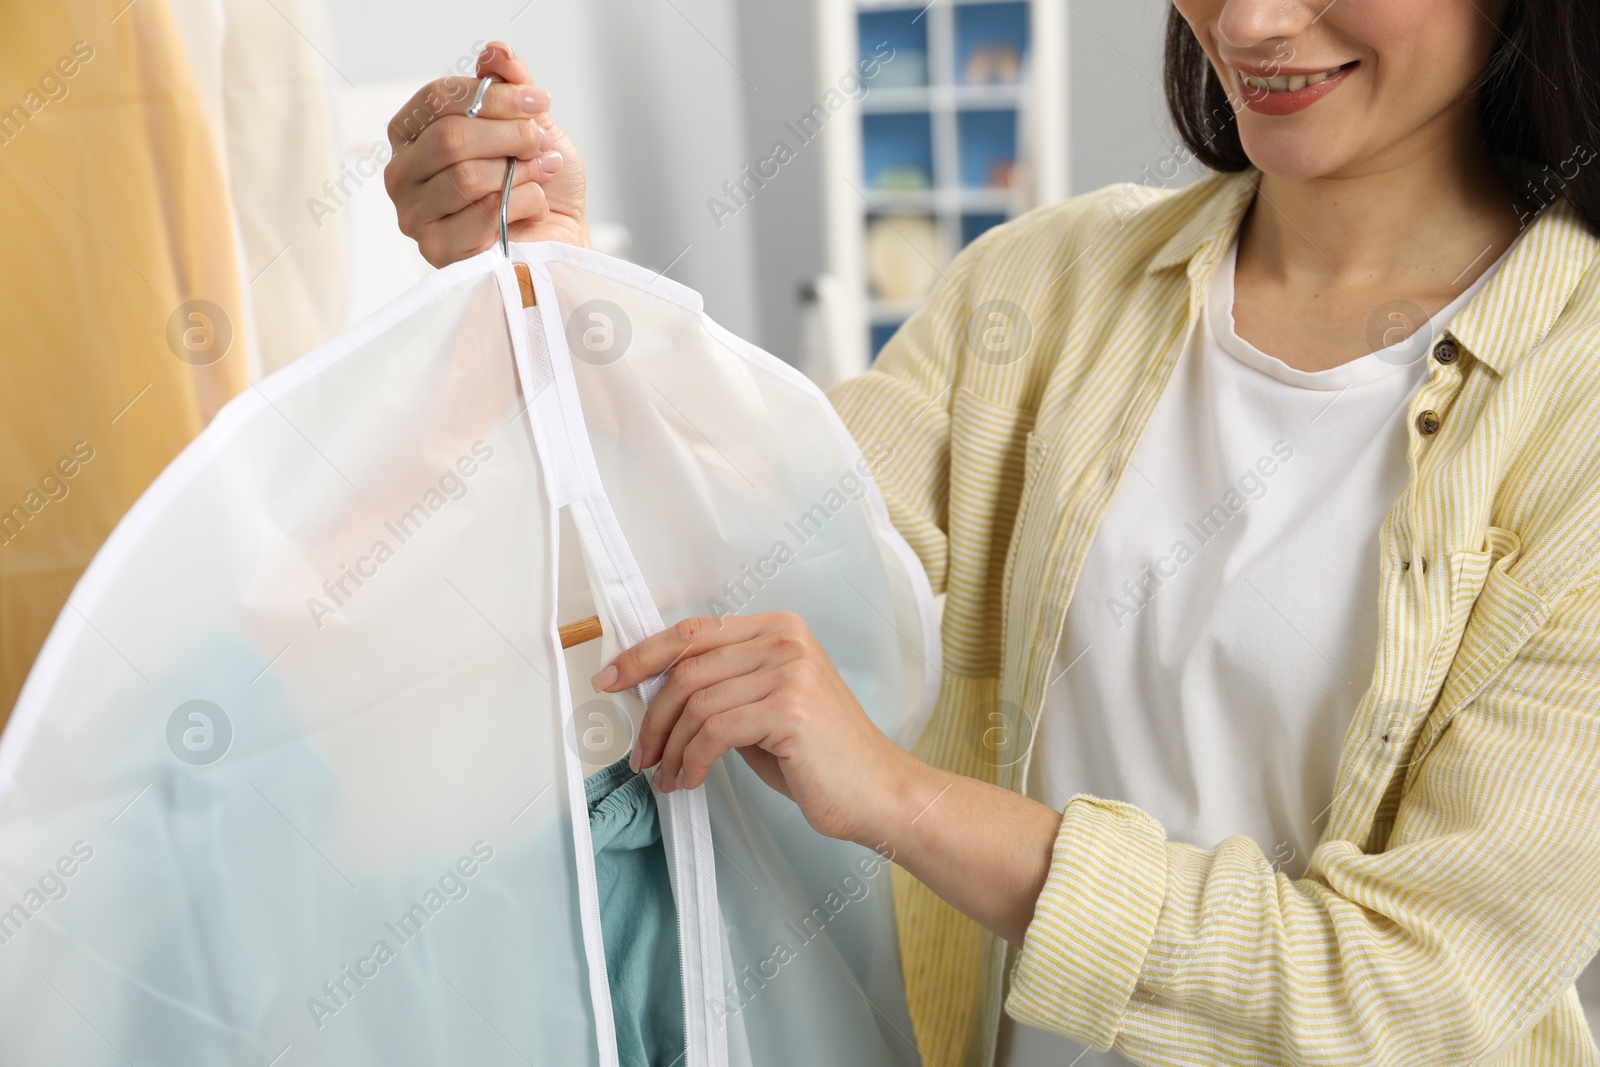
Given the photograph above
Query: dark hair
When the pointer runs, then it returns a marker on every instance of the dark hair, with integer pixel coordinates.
(1538, 99)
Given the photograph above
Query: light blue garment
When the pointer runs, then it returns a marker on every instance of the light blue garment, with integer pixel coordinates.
(638, 919)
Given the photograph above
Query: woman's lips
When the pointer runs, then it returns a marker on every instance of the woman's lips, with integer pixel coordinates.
(1284, 94)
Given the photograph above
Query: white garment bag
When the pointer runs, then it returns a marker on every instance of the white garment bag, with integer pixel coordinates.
(298, 776)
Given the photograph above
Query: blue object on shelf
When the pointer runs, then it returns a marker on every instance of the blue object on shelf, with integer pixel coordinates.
(897, 150)
(974, 226)
(991, 42)
(906, 34)
(988, 147)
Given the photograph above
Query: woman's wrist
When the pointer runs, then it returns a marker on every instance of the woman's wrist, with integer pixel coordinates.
(905, 789)
(981, 847)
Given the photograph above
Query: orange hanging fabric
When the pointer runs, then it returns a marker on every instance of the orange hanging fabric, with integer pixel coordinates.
(119, 289)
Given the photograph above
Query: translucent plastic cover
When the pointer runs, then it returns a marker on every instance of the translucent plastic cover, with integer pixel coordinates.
(287, 784)
(298, 778)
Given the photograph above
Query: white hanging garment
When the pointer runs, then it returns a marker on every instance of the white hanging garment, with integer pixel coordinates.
(298, 776)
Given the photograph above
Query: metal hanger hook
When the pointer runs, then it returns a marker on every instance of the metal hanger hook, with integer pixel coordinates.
(511, 169)
(505, 203)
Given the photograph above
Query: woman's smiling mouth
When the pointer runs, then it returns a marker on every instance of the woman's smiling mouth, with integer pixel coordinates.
(1275, 91)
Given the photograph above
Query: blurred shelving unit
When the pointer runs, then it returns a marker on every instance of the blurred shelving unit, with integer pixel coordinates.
(963, 127)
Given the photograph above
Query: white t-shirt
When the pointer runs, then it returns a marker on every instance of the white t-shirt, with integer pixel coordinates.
(1225, 623)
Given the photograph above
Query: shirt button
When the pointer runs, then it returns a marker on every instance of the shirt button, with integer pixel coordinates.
(1428, 423)
(1445, 351)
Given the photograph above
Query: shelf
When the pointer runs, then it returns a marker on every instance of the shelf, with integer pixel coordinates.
(991, 42)
(976, 112)
(896, 41)
(890, 99)
(944, 201)
(898, 143)
(987, 143)
(914, 7)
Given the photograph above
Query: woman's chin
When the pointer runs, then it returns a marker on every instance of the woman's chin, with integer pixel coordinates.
(1298, 156)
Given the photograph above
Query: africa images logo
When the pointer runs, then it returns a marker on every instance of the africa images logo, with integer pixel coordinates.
(199, 732)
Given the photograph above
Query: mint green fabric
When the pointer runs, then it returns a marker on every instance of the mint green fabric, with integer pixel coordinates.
(638, 918)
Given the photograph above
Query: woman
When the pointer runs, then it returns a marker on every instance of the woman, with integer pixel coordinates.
(1275, 503)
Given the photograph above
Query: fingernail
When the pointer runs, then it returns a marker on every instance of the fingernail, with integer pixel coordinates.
(633, 758)
(533, 102)
(546, 142)
(605, 679)
(550, 162)
(679, 783)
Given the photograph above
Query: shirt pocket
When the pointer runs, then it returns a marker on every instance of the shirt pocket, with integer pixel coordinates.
(1494, 614)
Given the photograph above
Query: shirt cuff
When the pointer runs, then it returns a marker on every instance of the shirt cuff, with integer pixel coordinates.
(1093, 924)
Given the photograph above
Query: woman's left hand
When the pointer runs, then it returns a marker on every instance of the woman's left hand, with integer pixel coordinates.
(760, 684)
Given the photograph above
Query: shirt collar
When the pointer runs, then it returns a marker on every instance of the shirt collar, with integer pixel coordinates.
(1514, 312)
(1211, 225)
(1508, 318)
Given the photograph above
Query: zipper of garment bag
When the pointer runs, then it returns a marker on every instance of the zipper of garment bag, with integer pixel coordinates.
(687, 820)
(558, 425)
(583, 844)
(605, 1032)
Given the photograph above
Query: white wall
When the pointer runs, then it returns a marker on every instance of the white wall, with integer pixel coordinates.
(642, 86)
(1119, 126)
(785, 220)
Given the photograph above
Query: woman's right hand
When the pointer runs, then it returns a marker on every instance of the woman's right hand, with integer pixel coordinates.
(447, 170)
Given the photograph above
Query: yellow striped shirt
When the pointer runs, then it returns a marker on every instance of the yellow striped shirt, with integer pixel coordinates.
(1455, 893)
